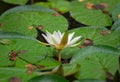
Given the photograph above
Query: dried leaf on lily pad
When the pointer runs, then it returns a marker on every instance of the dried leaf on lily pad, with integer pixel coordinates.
(30, 68)
(105, 32)
(15, 79)
(5, 41)
(86, 42)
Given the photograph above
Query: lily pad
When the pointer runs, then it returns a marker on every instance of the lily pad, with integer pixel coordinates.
(19, 2)
(8, 73)
(89, 81)
(92, 16)
(70, 69)
(48, 78)
(33, 54)
(57, 5)
(116, 26)
(99, 35)
(116, 12)
(60, 5)
(96, 61)
(25, 20)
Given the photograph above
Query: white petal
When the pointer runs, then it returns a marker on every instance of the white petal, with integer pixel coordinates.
(70, 37)
(74, 40)
(76, 44)
(45, 37)
(48, 38)
(54, 40)
(60, 34)
(56, 37)
(48, 33)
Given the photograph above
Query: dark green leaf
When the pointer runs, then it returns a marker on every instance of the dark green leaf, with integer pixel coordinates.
(34, 51)
(48, 78)
(116, 26)
(95, 61)
(7, 73)
(86, 16)
(19, 2)
(116, 12)
(60, 5)
(70, 69)
(90, 81)
(99, 35)
(25, 20)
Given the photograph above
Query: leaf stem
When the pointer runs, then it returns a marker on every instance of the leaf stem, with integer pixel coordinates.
(59, 56)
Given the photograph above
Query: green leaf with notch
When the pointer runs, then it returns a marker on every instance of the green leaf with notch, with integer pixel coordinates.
(25, 20)
(99, 35)
(92, 16)
(95, 61)
(32, 53)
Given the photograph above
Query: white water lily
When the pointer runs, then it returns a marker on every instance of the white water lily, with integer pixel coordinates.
(61, 40)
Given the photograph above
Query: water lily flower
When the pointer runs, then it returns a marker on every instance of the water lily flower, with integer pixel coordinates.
(61, 40)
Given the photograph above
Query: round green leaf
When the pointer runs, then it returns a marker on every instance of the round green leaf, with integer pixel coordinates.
(116, 12)
(89, 81)
(48, 78)
(60, 5)
(70, 69)
(69, 52)
(88, 32)
(95, 61)
(112, 39)
(116, 26)
(34, 51)
(25, 20)
(19, 2)
(99, 35)
(48, 62)
(89, 16)
(13, 35)
(44, 4)
(7, 73)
